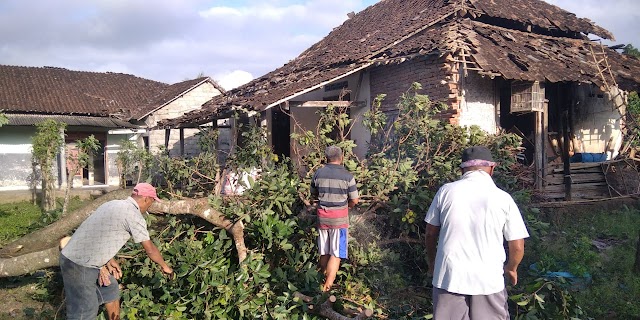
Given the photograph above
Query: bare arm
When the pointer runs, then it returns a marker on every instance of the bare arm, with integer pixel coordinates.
(431, 243)
(353, 202)
(155, 256)
(516, 253)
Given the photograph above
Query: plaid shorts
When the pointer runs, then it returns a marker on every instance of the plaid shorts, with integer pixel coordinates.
(82, 292)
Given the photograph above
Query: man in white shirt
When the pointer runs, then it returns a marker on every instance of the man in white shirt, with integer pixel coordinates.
(467, 224)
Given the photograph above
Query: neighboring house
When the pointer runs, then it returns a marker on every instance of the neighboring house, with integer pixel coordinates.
(173, 102)
(520, 65)
(113, 107)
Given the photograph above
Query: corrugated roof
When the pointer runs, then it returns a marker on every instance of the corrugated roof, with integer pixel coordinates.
(32, 119)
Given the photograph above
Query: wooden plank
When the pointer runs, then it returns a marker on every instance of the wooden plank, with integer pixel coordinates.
(581, 187)
(576, 195)
(324, 104)
(577, 178)
(560, 204)
(580, 170)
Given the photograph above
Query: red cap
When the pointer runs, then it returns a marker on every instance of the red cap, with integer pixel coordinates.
(145, 190)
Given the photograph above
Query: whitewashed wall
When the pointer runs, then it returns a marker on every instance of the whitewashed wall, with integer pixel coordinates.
(478, 105)
(598, 120)
(309, 119)
(15, 157)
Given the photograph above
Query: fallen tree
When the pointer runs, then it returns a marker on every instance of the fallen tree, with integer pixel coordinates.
(39, 249)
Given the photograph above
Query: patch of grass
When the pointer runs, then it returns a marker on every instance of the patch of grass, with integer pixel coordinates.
(570, 245)
(20, 218)
(17, 219)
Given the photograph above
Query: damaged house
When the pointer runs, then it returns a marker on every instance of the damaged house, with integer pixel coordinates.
(113, 107)
(523, 66)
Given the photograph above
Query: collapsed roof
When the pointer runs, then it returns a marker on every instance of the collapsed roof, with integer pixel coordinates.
(515, 39)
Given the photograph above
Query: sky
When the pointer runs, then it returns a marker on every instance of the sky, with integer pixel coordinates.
(232, 41)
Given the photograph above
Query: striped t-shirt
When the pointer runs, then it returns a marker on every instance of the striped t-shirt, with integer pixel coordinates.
(335, 186)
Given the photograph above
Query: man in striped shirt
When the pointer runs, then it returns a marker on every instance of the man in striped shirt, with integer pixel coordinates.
(336, 191)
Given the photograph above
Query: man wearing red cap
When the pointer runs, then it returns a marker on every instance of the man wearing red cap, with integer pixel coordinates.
(89, 271)
(467, 222)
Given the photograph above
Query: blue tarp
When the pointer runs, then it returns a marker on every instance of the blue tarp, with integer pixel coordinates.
(588, 157)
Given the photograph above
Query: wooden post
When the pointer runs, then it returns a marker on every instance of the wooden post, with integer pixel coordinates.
(539, 149)
(545, 141)
(182, 142)
(565, 155)
(167, 133)
(62, 164)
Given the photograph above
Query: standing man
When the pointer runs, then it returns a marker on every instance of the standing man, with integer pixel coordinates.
(89, 271)
(469, 220)
(336, 191)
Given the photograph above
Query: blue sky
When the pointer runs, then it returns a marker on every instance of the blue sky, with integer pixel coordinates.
(231, 41)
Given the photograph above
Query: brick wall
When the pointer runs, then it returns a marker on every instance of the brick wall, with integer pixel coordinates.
(436, 74)
(190, 101)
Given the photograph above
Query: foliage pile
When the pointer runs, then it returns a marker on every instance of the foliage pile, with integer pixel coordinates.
(410, 158)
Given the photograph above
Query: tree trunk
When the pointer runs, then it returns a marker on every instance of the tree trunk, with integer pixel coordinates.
(49, 236)
(48, 195)
(636, 265)
(40, 249)
(67, 192)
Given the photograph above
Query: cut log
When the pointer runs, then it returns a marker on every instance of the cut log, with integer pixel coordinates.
(30, 262)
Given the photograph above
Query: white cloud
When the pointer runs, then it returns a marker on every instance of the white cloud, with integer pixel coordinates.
(220, 12)
(620, 17)
(233, 79)
(261, 11)
(113, 67)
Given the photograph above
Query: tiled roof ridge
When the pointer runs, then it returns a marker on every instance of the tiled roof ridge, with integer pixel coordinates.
(82, 71)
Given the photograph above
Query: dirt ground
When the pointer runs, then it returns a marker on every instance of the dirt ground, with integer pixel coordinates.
(18, 300)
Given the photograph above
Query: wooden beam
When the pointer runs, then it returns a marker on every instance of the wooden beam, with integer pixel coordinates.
(539, 149)
(182, 142)
(324, 104)
(565, 155)
(167, 134)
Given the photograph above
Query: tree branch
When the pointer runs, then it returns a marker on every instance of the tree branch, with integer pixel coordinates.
(325, 309)
(200, 208)
(39, 249)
